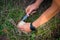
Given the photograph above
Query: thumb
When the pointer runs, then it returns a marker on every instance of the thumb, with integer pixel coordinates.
(29, 12)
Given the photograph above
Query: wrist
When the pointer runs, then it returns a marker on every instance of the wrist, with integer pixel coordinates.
(32, 27)
(35, 24)
(38, 2)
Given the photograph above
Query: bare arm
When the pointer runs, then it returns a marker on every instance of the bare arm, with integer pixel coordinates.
(38, 2)
(57, 2)
(33, 6)
(47, 15)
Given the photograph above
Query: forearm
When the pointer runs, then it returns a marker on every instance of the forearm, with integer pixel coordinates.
(38, 2)
(57, 2)
(47, 15)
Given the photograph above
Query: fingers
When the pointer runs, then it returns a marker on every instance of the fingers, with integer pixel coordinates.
(21, 28)
(29, 10)
(25, 27)
(33, 12)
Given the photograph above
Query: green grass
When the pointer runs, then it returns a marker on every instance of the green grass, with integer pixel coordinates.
(15, 12)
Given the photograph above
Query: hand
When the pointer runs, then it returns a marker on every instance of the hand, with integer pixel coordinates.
(25, 27)
(31, 8)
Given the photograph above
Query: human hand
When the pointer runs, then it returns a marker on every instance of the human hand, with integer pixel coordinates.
(31, 8)
(25, 27)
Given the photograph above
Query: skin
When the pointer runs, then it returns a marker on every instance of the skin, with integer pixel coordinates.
(45, 17)
(33, 6)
